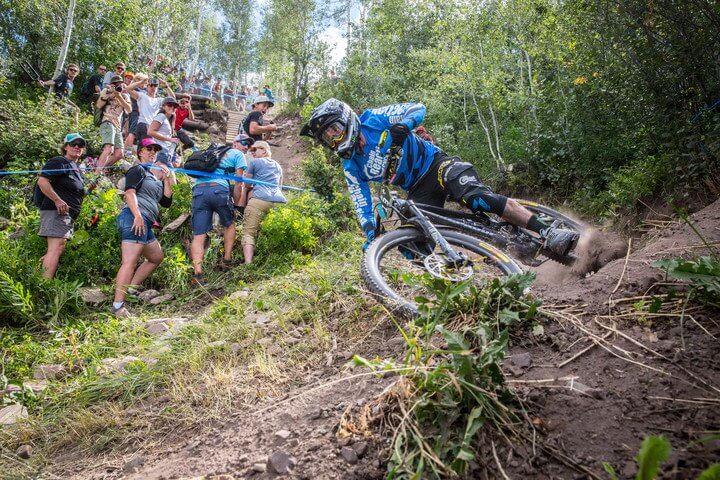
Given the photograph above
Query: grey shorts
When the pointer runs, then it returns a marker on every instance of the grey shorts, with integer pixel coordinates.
(55, 225)
(111, 135)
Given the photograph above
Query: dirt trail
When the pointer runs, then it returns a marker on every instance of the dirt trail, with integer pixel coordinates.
(595, 408)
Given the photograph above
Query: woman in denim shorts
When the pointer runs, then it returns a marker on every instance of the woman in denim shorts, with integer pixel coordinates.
(147, 188)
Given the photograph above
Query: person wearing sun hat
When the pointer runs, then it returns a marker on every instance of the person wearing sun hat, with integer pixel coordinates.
(59, 194)
(147, 187)
(259, 198)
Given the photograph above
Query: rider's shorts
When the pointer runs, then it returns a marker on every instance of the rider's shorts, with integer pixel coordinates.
(451, 177)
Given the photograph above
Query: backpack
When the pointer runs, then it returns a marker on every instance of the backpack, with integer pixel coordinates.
(206, 160)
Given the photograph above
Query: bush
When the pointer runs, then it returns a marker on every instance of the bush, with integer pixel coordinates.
(32, 132)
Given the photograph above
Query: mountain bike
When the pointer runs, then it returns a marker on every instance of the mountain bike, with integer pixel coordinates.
(448, 244)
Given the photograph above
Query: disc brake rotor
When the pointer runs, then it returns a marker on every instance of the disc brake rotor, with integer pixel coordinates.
(436, 265)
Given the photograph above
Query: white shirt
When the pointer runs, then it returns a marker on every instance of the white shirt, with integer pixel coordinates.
(165, 129)
(147, 107)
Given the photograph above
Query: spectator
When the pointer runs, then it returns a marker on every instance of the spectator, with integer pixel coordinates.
(254, 123)
(64, 83)
(134, 115)
(114, 102)
(267, 92)
(161, 129)
(148, 103)
(182, 112)
(59, 194)
(217, 89)
(146, 189)
(242, 98)
(211, 195)
(259, 199)
(119, 71)
(242, 143)
(92, 87)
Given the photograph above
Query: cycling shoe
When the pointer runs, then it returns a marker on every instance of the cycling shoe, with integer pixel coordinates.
(559, 240)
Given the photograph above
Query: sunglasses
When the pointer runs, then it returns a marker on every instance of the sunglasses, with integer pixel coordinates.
(120, 68)
(77, 144)
(72, 69)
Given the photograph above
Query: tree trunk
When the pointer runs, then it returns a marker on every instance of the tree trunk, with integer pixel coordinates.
(483, 124)
(196, 53)
(66, 41)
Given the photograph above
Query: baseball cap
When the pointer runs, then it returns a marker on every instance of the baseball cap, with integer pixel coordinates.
(71, 137)
(116, 79)
(154, 81)
(245, 139)
(150, 142)
(128, 73)
(170, 101)
(262, 99)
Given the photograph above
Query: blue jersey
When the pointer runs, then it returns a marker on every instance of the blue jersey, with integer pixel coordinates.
(370, 165)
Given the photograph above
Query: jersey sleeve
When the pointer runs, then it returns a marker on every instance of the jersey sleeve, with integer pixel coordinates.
(410, 114)
(55, 167)
(361, 196)
(134, 177)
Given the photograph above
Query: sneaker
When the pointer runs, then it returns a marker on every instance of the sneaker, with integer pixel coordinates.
(121, 312)
(198, 281)
(559, 241)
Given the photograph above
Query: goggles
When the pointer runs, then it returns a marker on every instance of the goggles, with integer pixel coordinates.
(333, 135)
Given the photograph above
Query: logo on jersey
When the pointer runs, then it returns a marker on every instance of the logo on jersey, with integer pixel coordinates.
(376, 164)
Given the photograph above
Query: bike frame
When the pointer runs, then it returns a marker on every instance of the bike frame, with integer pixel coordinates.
(412, 214)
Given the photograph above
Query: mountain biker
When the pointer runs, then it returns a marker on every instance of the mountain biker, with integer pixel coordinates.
(380, 146)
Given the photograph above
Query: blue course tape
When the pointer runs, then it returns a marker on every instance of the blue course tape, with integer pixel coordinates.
(52, 170)
(192, 173)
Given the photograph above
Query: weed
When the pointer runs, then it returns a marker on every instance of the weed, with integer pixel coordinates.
(458, 389)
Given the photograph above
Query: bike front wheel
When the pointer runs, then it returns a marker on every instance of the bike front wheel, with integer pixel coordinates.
(395, 264)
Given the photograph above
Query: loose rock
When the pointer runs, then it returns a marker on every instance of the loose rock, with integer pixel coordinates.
(259, 467)
(239, 295)
(93, 296)
(134, 464)
(24, 451)
(156, 327)
(280, 462)
(117, 365)
(49, 372)
(161, 299)
(521, 360)
(360, 448)
(11, 414)
(348, 454)
(148, 295)
(281, 436)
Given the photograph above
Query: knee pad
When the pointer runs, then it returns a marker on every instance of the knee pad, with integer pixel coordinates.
(462, 183)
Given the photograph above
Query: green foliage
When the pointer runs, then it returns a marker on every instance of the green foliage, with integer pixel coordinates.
(653, 452)
(15, 300)
(703, 275)
(460, 389)
(710, 473)
(33, 133)
(587, 101)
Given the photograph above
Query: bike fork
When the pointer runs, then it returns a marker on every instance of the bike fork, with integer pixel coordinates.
(454, 259)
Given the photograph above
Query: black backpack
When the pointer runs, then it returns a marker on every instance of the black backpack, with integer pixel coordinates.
(206, 160)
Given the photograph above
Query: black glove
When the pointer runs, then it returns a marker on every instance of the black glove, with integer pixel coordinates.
(399, 133)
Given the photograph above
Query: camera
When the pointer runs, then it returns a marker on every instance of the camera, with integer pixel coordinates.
(118, 88)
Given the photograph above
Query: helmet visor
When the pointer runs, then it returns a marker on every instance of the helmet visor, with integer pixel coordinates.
(333, 134)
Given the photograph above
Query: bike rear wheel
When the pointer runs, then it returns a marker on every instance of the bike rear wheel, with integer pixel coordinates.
(397, 280)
